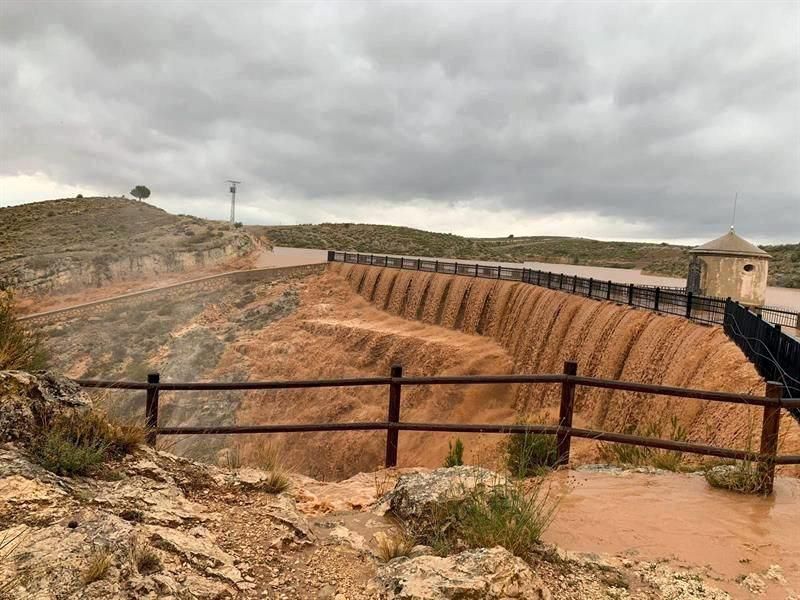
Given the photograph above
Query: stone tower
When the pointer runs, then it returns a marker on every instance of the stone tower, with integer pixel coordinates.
(729, 267)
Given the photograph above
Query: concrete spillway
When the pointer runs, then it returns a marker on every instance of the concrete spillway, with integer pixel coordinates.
(542, 328)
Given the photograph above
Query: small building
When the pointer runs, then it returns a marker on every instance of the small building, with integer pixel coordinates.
(729, 267)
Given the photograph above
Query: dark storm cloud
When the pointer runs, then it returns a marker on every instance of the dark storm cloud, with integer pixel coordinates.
(636, 112)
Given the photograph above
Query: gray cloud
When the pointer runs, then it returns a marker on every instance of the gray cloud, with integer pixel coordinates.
(651, 113)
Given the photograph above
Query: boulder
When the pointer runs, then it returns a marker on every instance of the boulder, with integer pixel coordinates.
(27, 401)
(482, 574)
(416, 494)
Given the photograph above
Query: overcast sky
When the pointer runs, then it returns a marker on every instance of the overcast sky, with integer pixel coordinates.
(617, 120)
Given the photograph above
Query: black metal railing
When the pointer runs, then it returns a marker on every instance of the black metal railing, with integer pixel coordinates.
(775, 354)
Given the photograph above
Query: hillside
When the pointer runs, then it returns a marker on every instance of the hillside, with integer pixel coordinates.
(656, 259)
(87, 242)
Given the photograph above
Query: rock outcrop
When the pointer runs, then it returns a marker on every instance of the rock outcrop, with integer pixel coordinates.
(482, 574)
(156, 526)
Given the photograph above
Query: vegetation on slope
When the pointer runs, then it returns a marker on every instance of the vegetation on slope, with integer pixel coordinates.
(659, 259)
(88, 234)
(19, 348)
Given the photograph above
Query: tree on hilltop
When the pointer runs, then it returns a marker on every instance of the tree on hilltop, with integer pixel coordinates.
(141, 192)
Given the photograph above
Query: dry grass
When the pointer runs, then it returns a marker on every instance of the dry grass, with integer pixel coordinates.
(144, 557)
(640, 456)
(99, 564)
(277, 481)
(530, 454)
(263, 455)
(76, 443)
(384, 481)
(741, 476)
(19, 348)
(9, 542)
(233, 457)
(502, 514)
(393, 544)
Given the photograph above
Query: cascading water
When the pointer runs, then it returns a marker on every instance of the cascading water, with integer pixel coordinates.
(542, 328)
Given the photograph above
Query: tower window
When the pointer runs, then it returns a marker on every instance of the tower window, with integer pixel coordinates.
(748, 267)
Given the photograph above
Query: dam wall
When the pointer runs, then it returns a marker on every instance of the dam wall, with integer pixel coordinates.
(541, 328)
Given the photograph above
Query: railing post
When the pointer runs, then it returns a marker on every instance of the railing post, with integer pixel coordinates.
(564, 438)
(394, 417)
(330, 256)
(769, 440)
(476, 269)
(419, 263)
(630, 294)
(688, 305)
(371, 259)
(151, 409)
(591, 281)
(608, 291)
(657, 297)
(561, 281)
(574, 283)
(498, 271)
(436, 266)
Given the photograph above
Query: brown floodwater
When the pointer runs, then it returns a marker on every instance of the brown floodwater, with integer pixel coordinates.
(681, 518)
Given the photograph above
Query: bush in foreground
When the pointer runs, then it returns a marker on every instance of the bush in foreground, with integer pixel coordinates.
(505, 514)
(742, 476)
(19, 348)
(530, 454)
(76, 443)
(640, 456)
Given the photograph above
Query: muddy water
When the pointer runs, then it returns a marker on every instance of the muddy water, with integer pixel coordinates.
(541, 328)
(680, 517)
(290, 257)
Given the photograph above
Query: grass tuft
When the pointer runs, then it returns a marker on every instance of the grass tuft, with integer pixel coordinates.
(455, 454)
(740, 476)
(19, 348)
(639, 456)
(276, 482)
(530, 454)
(99, 564)
(144, 557)
(76, 443)
(394, 544)
(506, 514)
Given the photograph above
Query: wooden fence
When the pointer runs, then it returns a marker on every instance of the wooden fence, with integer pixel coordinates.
(767, 456)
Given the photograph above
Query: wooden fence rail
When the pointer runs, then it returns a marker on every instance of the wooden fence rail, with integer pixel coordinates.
(767, 456)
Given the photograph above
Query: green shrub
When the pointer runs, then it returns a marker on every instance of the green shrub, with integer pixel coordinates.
(639, 456)
(75, 444)
(740, 476)
(530, 454)
(455, 454)
(505, 515)
(19, 348)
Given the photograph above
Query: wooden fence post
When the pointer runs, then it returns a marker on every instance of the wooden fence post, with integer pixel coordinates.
(394, 417)
(151, 409)
(564, 438)
(770, 427)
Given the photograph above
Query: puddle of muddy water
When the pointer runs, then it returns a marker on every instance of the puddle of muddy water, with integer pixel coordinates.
(680, 518)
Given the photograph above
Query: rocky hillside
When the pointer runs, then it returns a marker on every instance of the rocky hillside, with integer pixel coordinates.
(655, 259)
(75, 243)
(145, 524)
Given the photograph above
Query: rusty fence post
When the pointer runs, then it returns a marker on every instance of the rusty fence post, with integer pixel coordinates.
(564, 438)
(151, 408)
(394, 417)
(770, 427)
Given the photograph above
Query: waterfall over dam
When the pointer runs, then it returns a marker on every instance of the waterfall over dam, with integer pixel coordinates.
(541, 328)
